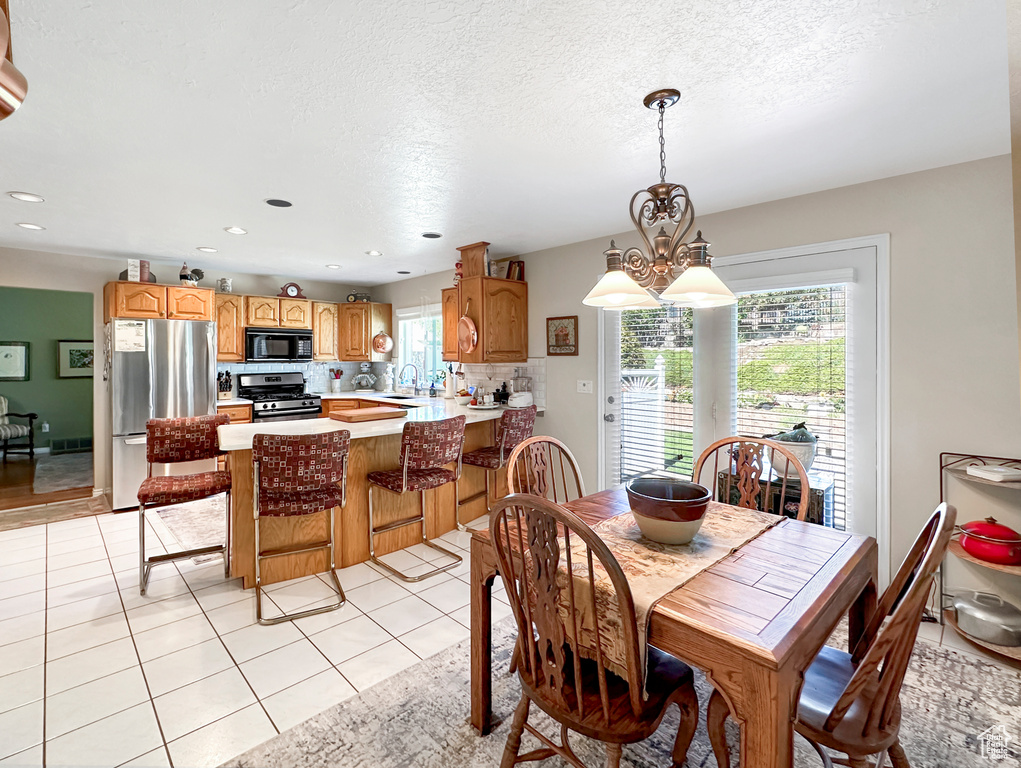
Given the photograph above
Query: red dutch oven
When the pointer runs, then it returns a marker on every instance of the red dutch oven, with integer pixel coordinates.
(988, 540)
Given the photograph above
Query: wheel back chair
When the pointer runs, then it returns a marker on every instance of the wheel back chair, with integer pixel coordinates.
(10, 431)
(172, 441)
(544, 466)
(567, 679)
(736, 471)
(299, 475)
(850, 702)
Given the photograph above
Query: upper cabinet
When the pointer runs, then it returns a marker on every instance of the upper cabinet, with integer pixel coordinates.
(324, 331)
(230, 328)
(262, 312)
(497, 307)
(149, 301)
(359, 322)
(295, 313)
(450, 315)
(189, 303)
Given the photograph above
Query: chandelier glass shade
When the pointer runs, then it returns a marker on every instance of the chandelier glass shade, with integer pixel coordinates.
(13, 86)
(635, 276)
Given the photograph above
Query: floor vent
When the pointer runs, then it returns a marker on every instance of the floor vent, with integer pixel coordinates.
(71, 445)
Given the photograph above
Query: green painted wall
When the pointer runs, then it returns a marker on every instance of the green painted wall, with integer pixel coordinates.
(42, 318)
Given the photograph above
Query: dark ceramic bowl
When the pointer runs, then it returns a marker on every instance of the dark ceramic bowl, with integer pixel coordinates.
(667, 499)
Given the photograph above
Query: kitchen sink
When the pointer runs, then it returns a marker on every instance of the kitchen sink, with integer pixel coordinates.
(400, 397)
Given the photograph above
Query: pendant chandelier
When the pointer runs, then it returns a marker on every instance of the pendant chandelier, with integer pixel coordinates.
(676, 270)
(13, 86)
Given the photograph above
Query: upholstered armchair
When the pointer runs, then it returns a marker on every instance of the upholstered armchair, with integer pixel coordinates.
(10, 431)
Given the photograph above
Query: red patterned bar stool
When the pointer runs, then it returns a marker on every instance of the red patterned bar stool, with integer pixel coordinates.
(172, 441)
(515, 425)
(426, 448)
(299, 475)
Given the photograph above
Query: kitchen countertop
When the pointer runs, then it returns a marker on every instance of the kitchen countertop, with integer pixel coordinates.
(238, 437)
(233, 401)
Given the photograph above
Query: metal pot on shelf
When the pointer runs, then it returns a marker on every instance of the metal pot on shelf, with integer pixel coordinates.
(988, 617)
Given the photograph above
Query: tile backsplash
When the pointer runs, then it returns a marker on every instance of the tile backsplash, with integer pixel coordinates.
(316, 374)
(492, 375)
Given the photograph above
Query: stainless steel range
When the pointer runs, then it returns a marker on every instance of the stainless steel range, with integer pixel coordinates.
(279, 396)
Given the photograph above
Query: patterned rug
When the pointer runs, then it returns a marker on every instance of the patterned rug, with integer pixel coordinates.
(419, 718)
(62, 472)
(197, 524)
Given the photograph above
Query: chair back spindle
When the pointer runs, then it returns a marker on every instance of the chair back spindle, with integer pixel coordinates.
(544, 466)
(742, 475)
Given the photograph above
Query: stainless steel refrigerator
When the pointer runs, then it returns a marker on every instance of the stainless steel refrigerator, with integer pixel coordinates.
(159, 369)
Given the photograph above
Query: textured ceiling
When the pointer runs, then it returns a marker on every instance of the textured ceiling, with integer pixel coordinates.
(150, 126)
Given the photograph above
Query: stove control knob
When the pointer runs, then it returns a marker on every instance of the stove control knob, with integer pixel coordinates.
(274, 405)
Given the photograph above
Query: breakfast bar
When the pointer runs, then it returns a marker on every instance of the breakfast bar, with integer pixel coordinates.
(375, 445)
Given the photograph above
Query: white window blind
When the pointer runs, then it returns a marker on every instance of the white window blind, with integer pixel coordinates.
(420, 340)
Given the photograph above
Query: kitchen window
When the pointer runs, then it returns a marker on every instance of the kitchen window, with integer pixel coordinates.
(420, 342)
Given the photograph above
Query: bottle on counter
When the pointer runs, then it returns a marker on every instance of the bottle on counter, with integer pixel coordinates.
(432, 389)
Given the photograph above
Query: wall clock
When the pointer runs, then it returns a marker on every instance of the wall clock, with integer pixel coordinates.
(291, 291)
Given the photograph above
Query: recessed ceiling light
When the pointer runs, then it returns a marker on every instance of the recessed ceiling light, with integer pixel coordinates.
(333, 266)
(431, 235)
(403, 272)
(27, 197)
(373, 253)
(205, 249)
(235, 230)
(276, 203)
(23, 225)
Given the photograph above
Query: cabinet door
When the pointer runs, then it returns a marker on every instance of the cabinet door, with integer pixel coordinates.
(324, 331)
(239, 414)
(450, 316)
(470, 300)
(505, 321)
(189, 303)
(262, 312)
(380, 321)
(295, 313)
(230, 328)
(354, 331)
(335, 406)
(141, 300)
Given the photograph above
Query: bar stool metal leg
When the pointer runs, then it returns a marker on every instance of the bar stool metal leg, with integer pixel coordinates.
(461, 502)
(143, 566)
(374, 531)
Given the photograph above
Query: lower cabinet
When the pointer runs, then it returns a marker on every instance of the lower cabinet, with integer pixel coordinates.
(336, 405)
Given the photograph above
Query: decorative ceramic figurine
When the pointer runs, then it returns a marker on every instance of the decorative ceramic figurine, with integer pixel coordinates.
(388, 378)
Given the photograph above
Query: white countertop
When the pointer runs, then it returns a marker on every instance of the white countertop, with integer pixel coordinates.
(233, 401)
(238, 437)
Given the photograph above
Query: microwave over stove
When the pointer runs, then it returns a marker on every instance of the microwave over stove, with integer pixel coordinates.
(280, 345)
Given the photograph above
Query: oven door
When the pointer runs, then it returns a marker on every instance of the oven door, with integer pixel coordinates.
(295, 415)
(277, 346)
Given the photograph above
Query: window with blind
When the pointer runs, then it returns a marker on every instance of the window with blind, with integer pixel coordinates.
(790, 368)
(419, 342)
(656, 392)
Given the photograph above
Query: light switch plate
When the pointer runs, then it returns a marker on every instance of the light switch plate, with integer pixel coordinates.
(584, 387)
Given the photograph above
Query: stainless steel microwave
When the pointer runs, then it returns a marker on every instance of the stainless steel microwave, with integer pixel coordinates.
(280, 345)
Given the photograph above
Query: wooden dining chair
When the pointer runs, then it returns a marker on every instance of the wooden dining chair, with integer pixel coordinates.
(566, 679)
(738, 471)
(544, 466)
(850, 702)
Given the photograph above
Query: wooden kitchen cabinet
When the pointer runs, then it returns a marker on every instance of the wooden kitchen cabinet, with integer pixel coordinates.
(239, 414)
(262, 311)
(324, 331)
(449, 314)
(335, 406)
(499, 309)
(295, 313)
(189, 303)
(358, 323)
(139, 300)
(230, 327)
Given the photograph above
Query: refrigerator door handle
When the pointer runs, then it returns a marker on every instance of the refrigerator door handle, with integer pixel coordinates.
(135, 441)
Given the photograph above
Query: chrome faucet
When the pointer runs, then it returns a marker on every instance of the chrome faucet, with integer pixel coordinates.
(414, 381)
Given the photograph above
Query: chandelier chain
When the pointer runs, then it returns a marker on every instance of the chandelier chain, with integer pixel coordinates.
(662, 145)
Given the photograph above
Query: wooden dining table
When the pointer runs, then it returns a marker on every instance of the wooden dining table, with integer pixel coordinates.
(752, 622)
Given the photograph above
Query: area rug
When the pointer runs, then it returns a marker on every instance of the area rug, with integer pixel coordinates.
(197, 524)
(419, 718)
(62, 472)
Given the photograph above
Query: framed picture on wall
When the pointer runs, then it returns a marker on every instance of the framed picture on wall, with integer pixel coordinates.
(562, 335)
(14, 361)
(74, 359)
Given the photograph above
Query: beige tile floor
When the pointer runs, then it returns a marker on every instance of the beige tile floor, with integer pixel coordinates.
(92, 673)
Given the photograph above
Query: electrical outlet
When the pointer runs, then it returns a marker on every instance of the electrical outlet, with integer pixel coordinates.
(46, 426)
(584, 387)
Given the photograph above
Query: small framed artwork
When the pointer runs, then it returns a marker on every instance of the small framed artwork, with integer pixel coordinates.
(75, 359)
(14, 361)
(562, 335)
